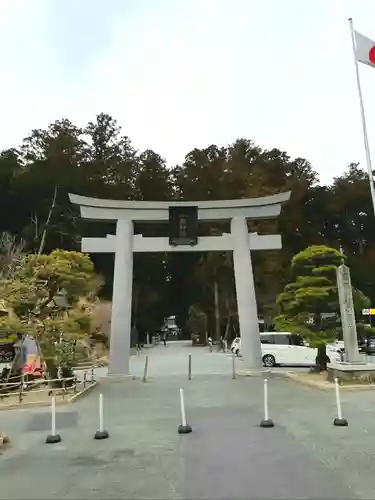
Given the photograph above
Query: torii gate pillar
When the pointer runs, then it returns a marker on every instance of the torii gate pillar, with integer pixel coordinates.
(122, 300)
(124, 243)
(245, 292)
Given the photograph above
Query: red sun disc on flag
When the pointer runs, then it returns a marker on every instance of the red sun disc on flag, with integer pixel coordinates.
(371, 55)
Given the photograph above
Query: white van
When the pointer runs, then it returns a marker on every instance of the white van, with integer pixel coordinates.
(285, 348)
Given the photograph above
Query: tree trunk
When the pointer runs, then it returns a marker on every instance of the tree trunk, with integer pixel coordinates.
(52, 372)
(46, 226)
(227, 328)
(230, 331)
(217, 310)
(321, 359)
(136, 294)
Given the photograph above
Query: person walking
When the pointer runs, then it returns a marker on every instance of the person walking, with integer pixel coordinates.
(164, 338)
(222, 345)
(134, 336)
(225, 345)
(210, 343)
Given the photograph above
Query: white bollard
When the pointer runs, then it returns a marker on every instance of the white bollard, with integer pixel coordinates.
(339, 421)
(53, 415)
(233, 366)
(101, 412)
(184, 428)
(101, 433)
(145, 370)
(53, 437)
(183, 412)
(266, 421)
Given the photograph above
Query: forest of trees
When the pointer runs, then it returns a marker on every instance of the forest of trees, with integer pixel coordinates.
(99, 161)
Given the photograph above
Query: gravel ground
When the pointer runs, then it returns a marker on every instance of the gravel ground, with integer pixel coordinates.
(227, 456)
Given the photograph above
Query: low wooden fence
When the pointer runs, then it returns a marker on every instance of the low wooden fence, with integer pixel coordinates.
(20, 390)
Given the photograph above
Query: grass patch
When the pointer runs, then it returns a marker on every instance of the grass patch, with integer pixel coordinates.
(320, 381)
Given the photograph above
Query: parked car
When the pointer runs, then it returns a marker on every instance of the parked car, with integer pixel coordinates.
(369, 345)
(285, 348)
(362, 344)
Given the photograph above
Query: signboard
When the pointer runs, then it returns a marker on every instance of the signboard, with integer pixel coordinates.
(328, 315)
(183, 225)
(368, 312)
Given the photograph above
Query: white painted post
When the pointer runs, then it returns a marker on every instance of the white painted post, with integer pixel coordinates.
(266, 421)
(119, 354)
(182, 404)
(338, 399)
(145, 370)
(53, 437)
(101, 433)
(246, 299)
(233, 366)
(53, 415)
(265, 399)
(184, 427)
(101, 413)
(339, 421)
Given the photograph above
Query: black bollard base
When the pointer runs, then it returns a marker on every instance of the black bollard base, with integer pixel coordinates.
(184, 429)
(53, 438)
(340, 422)
(101, 434)
(266, 423)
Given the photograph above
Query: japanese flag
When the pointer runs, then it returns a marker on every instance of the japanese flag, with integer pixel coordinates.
(364, 49)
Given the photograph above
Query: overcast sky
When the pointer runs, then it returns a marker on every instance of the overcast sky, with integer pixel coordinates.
(179, 74)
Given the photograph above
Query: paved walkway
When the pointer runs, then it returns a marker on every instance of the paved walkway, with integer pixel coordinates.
(226, 456)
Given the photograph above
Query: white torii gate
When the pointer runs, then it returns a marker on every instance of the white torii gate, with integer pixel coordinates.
(124, 243)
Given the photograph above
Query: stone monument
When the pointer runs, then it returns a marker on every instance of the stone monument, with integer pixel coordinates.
(349, 328)
(354, 368)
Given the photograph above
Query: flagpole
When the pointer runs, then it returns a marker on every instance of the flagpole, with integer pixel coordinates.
(363, 117)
